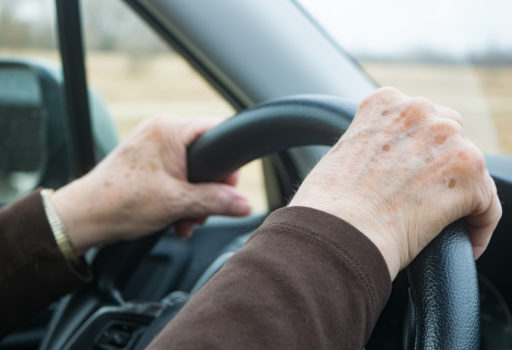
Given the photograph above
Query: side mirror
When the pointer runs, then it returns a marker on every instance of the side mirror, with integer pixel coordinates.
(34, 140)
(23, 131)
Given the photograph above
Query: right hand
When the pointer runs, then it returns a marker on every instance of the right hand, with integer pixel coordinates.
(401, 173)
(142, 186)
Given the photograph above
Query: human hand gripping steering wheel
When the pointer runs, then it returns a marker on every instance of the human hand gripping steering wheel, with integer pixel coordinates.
(142, 186)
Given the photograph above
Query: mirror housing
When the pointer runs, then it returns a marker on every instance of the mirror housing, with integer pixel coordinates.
(23, 123)
(34, 138)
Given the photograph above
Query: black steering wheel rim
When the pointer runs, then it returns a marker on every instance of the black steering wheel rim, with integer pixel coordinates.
(445, 269)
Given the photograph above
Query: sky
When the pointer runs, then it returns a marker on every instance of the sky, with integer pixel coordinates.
(390, 28)
(30, 10)
(393, 27)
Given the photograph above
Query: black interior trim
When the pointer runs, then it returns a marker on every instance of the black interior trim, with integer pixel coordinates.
(75, 86)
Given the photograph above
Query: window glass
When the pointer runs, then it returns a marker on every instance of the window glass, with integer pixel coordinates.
(133, 73)
(458, 53)
(139, 76)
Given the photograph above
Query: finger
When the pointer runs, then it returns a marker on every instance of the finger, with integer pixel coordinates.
(196, 127)
(216, 199)
(383, 96)
(185, 129)
(481, 226)
(232, 179)
(450, 113)
(184, 228)
(418, 109)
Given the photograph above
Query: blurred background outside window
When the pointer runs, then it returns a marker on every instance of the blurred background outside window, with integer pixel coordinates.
(136, 73)
(457, 53)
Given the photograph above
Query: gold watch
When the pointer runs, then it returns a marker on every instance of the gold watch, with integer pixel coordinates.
(59, 230)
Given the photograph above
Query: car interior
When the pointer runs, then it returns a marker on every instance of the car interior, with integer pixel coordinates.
(295, 91)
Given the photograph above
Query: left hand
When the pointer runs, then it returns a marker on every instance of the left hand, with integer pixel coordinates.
(142, 186)
(401, 173)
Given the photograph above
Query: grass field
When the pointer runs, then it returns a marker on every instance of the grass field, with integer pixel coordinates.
(137, 87)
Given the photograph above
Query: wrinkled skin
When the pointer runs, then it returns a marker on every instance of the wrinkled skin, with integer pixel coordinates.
(401, 173)
(142, 187)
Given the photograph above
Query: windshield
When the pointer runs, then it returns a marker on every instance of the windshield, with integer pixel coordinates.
(457, 53)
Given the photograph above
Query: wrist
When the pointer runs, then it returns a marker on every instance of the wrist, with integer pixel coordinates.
(74, 204)
(380, 235)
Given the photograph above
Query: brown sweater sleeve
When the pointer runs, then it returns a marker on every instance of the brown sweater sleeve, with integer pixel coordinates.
(305, 280)
(33, 272)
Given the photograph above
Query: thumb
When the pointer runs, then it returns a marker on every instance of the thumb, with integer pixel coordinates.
(217, 199)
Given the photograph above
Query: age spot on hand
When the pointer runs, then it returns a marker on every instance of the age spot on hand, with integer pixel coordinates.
(385, 148)
(451, 183)
(387, 112)
(463, 156)
(440, 139)
(107, 184)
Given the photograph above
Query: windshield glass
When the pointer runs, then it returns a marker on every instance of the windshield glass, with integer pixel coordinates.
(457, 53)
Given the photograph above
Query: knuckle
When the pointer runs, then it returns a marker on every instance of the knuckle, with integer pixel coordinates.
(476, 157)
(494, 188)
(452, 114)
(156, 127)
(471, 158)
(382, 96)
(497, 203)
(413, 112)
(158, 121)
(213, 198)
(420, 105)
(494, 206)
(499, 209)
(479, 162)
(194, 205)
(446, 127)
(366, 102)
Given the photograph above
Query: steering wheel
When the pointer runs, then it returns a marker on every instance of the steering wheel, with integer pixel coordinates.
(443, 288)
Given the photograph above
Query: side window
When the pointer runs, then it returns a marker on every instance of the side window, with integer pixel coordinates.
(133, 74)
(457, 53)
(139, 76)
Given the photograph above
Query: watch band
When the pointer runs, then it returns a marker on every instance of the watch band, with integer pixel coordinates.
(59, 231)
